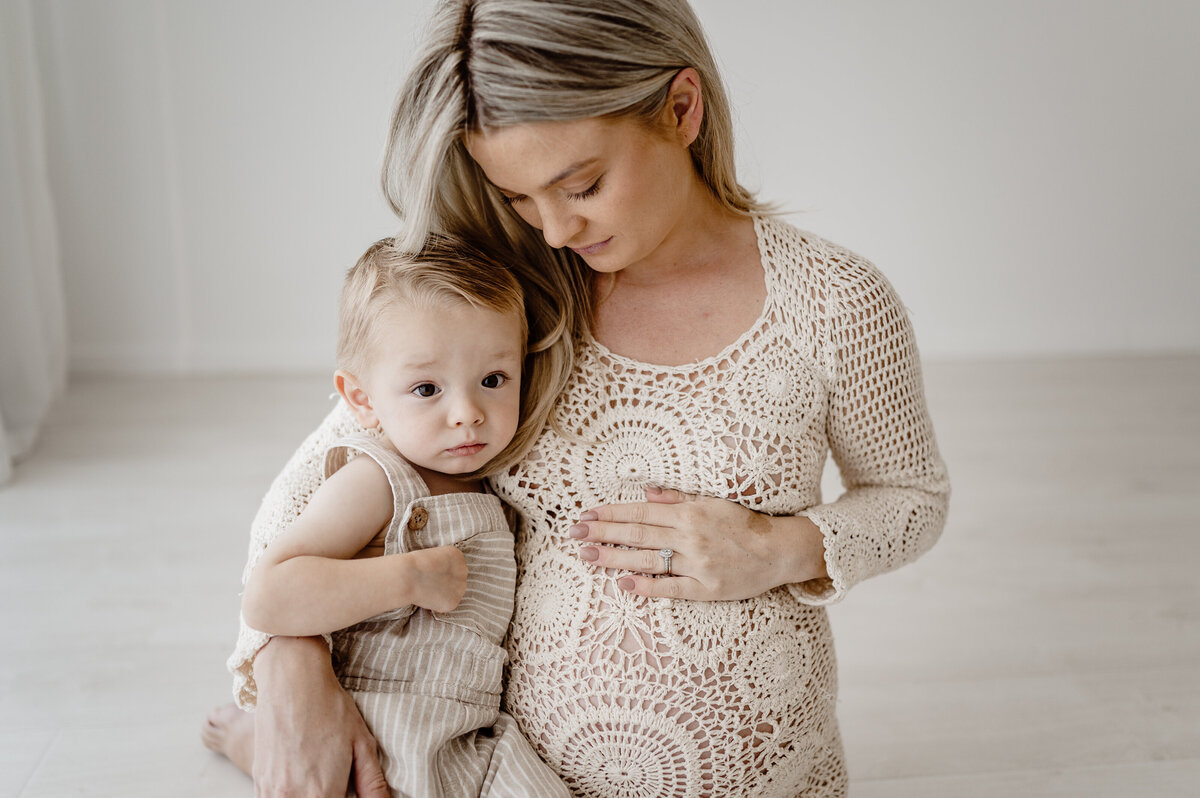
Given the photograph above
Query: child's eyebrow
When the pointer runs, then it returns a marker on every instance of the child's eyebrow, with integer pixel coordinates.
(508, 351)
(421, 365)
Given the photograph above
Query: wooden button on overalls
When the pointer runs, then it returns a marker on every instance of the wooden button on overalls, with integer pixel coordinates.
(418, 519)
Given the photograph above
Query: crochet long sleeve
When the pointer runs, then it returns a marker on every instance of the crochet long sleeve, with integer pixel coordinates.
(880, 436)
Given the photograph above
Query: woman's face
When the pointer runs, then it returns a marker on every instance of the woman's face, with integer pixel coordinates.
(612, 189)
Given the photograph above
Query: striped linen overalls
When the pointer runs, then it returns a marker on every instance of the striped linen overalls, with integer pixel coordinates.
(428, 684)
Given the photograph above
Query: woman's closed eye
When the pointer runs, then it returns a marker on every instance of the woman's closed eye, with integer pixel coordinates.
(590, 191)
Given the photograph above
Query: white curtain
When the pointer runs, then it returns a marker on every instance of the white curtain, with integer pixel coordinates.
(32, 326)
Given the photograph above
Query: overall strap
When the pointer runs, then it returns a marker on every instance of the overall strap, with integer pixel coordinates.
(405, 482)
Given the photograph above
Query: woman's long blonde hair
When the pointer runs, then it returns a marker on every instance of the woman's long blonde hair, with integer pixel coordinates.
(496, 63)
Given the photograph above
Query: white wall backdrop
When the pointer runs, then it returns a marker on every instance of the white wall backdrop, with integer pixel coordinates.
(1025, 172)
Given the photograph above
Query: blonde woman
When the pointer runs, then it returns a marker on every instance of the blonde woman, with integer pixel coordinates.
(675, 554)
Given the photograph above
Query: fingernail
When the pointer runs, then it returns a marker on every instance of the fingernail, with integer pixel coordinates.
(625, 583)
(589, 554)
(578, 531)
(653, 489)
(588, 516)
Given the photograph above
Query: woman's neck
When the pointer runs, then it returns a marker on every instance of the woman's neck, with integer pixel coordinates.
(706, 237)
(688, 303)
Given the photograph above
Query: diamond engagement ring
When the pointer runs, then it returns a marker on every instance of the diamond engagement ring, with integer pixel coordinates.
(666, 555)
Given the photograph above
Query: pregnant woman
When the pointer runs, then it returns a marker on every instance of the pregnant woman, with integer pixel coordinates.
(675, 554)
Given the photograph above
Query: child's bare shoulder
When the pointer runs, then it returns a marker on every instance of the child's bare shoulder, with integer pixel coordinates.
(348, 513)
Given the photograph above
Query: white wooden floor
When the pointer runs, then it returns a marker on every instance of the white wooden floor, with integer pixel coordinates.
(1048, 646)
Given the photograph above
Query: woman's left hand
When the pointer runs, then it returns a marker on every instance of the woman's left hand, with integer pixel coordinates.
(721, 550)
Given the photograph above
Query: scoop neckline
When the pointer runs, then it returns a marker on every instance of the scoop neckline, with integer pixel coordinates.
(760, 223)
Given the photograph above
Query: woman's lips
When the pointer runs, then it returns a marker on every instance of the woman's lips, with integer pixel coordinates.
(592, 249)
(467, 449)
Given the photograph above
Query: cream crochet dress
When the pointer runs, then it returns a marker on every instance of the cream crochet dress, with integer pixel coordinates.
(653, 698)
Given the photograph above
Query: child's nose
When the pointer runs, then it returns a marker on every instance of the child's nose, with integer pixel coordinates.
(466, 413)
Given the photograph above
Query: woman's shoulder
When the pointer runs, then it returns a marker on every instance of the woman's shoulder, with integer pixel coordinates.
(837, 274)
(305, 469)
(787, 244)
(338, 423)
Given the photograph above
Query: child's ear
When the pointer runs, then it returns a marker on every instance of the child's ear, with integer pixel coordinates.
(360, 404)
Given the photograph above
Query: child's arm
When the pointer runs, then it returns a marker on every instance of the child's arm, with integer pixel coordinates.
(307, 582)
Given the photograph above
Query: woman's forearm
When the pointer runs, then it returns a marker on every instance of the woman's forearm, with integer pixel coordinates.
(292, 663)
(308, 734)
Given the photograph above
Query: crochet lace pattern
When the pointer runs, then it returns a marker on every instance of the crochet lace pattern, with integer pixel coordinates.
(654, 698)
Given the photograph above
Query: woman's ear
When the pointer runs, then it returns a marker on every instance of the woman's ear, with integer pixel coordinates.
(685, 104)
(356, 397)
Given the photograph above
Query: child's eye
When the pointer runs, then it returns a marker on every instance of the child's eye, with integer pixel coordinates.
(590, 191)
(425, 390)
(494, 380)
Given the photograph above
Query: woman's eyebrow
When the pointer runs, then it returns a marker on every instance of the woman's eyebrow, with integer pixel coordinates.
(570, 170)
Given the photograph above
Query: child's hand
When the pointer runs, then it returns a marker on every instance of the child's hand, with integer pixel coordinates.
(439, 578)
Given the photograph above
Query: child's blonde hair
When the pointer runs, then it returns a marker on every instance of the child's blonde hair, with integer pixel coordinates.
(445, 270)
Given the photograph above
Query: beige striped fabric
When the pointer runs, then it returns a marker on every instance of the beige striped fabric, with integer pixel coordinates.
(428, 684)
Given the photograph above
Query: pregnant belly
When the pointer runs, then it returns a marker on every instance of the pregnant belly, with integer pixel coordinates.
(625, 696)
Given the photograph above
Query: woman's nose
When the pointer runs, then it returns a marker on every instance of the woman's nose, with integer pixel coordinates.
(560, 226)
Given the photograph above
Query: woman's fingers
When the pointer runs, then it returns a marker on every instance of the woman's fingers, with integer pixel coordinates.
(667, 496)
(369, 781)
(673, 587)
(647, 528)
(659, 509)
(716, 551)
(642, 524)
(646, 561)
(623, 534)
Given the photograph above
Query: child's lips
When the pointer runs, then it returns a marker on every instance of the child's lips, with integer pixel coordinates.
(467, 449)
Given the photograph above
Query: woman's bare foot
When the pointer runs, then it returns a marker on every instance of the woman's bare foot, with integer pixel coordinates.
(230, 732)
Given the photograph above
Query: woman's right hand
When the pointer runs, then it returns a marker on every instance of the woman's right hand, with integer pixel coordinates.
(308, 734)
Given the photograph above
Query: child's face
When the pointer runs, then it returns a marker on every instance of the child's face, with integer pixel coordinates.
(445, 383)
